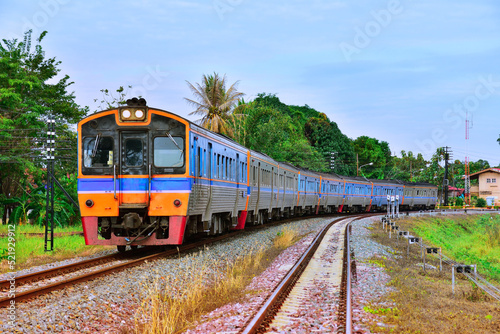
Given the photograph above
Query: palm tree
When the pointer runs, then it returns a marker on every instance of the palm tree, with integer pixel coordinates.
(214, 103)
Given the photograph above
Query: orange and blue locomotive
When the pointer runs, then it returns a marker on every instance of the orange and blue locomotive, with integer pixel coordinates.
(144, 171)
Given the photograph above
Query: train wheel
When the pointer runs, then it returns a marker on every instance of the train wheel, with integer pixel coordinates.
(214, 226)
(260, 218)
(121, 248)
(219, 224)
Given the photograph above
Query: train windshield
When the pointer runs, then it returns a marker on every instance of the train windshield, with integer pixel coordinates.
(98, 151)
(169, 151)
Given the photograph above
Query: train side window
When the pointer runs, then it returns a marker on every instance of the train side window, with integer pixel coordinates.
(226, 169)
(214, 167)
(168, 151)
(218, 166)
(198, 163)
(223, 172)
(204, 162)
(100, 155)
(221, 167)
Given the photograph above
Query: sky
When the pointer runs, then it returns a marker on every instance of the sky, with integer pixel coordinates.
(403, 71)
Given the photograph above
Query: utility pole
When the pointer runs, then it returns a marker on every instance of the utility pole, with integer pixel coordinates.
(447, 151)
(468, 126)
(357, 165)
(49, 208)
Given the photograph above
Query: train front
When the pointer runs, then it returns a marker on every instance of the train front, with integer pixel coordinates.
(133, 185)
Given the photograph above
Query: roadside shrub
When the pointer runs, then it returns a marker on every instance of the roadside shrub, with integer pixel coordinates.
(481, 203)
(459, 201)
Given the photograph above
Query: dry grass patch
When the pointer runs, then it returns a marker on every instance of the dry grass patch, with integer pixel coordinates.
(285, 238)
(424, 299)
(203, 289)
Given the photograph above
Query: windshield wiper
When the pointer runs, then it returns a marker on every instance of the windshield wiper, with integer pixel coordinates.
(94, 150)
(173, 140)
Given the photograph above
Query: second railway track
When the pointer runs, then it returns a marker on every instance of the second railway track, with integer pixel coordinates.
(317, 282)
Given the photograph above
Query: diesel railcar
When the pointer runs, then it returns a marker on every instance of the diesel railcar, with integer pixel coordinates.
(149, 177)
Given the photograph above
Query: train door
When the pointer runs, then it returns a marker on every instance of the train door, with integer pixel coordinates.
(259, 181)
(135, 169)
(271, 204)
(284, 184)
(207, 216)
(238, 180)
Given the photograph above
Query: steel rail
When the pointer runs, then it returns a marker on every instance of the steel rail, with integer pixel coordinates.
(270, 306)
(348, 321)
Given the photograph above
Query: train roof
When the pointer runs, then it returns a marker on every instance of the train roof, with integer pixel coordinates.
(331, 176)
(230, 141)
(420, 184)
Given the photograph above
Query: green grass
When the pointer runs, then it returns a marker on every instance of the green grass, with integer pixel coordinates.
(30, 250)
(4, 229)
(470, 239)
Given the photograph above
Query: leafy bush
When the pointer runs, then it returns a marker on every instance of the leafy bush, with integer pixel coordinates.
(481, 203)
(459, 201)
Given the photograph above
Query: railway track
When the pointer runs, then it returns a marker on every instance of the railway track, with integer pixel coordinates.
(315, 268)
(47, 280)
(123, 263)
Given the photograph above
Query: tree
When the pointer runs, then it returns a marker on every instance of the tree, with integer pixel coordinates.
(370, 150)
(323, 136)
(29, 94)
(478, 166)
(214, 103)
(327, 139)
(110, 101)
(407, 168)
(276, 134)
(498, 140)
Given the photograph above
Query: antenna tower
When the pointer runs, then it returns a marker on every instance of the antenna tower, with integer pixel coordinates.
(468, 125)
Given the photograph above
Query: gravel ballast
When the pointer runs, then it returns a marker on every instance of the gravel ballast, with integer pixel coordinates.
(109, 304)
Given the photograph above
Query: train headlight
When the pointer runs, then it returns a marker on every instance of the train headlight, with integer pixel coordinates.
(89, 203)
(131, 114)
(177, 203)
(126, 114)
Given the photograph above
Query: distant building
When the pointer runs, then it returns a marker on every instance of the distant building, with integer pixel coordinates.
(455, 192)
(488, 185)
